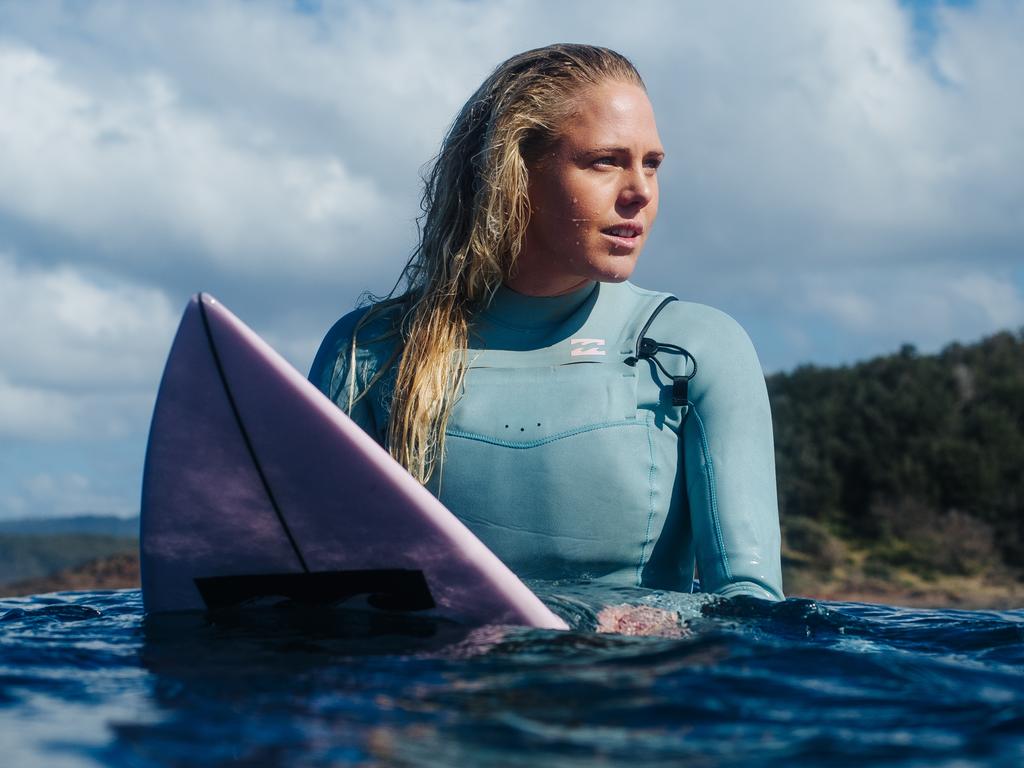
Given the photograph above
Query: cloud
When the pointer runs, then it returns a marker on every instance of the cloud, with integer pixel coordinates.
(836, 179)
(807, 133)
(79, 354)
(80, 330)
(998, 301)
(931, 307)
(62, 495)
(136, 167)
(33, 413)
(815, 133)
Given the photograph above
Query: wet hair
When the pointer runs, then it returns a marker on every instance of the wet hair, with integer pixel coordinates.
(475, 212)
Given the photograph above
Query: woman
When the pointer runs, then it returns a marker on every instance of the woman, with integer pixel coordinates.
(580, 426)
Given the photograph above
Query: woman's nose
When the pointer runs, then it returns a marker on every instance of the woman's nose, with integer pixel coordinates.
(638, 188)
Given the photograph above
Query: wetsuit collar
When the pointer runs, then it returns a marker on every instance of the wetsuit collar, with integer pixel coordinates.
(521, 311)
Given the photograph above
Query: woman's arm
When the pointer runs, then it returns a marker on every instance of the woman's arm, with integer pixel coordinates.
(729, 459)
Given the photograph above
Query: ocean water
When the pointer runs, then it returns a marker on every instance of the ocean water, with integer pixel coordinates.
(86, 679)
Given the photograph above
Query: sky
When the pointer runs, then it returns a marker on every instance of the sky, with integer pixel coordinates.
(841, 177)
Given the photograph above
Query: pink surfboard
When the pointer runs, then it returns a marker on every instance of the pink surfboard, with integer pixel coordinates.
(257, 487)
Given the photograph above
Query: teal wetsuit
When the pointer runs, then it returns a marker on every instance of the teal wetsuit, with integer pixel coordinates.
(570, 463)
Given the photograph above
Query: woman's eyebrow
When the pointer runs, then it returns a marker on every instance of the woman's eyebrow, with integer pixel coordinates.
(609, 150)
(619, 150)
(589, 152)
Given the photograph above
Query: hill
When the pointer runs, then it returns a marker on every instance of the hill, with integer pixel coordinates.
(119, 571)
(100, 525)
(35, 548)
(27, 556)
(905, 470)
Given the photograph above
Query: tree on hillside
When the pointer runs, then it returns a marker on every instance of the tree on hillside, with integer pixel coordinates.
(900, 447)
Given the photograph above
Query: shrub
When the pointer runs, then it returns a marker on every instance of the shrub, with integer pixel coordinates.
(813, 543)
(934, 541)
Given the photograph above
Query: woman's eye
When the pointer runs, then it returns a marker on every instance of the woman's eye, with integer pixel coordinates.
(653, 163)
(609, 160)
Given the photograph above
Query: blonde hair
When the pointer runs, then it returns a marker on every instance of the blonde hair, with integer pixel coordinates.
(475, 212)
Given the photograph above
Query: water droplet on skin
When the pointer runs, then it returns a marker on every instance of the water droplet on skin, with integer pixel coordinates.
(575, 200)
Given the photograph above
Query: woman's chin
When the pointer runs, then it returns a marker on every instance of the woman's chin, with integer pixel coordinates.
(616, 271)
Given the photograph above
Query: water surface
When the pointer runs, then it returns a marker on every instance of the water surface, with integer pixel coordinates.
(86, 679)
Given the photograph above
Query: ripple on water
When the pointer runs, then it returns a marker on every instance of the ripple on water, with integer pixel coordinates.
(85, 678)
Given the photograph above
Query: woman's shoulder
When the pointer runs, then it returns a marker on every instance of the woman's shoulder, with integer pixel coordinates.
(371, 325)
(719, 344)
(374, 329)
(697, 322)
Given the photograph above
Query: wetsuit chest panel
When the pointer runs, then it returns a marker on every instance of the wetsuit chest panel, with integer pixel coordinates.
(524, 407)
(552, 468)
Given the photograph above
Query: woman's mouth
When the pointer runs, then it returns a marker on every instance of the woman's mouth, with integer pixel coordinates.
(626, 235)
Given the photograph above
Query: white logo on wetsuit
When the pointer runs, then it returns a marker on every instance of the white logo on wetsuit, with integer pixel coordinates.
(586, 347)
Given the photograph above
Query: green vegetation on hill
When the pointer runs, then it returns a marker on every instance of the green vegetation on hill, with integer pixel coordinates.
(96, 524)
(904, 464)
(28, 556)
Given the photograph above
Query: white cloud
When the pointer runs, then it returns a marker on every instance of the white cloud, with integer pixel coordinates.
(62, 495)
(998, 301)
(837, 186)
(79, 355)
(851, 310)
(815, 133)
(134, 168)
(64, 327)
(929, 307)
(34, 413)
(812, 132)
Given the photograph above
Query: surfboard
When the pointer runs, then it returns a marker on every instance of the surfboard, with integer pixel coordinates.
(258, 488)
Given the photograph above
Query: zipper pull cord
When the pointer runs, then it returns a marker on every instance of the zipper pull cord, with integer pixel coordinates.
(647, 349)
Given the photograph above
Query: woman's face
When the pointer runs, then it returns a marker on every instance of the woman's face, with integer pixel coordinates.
(594, 196)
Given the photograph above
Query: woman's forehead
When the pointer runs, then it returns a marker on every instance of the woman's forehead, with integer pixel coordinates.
(612, 115)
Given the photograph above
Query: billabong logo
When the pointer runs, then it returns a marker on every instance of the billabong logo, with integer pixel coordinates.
(586, 347)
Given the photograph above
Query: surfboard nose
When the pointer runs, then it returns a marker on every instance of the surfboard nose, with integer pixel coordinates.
(252, 473)
(203, 505)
